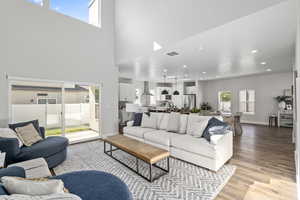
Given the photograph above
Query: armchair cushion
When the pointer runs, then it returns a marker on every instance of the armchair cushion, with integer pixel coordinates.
(11, 171)
(44, 148)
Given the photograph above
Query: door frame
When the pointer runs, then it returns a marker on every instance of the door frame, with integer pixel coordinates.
(10, 79)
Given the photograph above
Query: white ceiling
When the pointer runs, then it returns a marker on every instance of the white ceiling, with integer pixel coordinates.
(226, 49)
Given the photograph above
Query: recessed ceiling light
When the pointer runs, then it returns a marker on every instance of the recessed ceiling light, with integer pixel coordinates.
(184, 66)
(203, 72)
(201, 48)
(263, 63)
(269, 70)
(254, 51)
(165, 70)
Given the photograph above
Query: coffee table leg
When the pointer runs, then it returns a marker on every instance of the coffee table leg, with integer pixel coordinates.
(150, 172)
(110, 149)
(137, 165)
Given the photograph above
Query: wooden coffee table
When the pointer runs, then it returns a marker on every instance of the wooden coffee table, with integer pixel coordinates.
(141, 151)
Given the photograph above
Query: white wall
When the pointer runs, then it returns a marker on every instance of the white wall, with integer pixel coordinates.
(141, 22)
(266, 86)
(39, 43)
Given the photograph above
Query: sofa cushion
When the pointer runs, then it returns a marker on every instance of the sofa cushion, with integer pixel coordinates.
(198, 128)
(183, 123)
(174, 122)
(163, 123)
(160, 137)
(195, 118)
(44, 148)
(149, 121)
(137, 131)
(191, 144)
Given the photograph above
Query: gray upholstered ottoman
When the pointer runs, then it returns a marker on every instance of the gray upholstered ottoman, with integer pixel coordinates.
(36, 168)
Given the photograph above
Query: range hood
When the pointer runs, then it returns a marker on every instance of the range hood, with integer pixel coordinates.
(146, 89)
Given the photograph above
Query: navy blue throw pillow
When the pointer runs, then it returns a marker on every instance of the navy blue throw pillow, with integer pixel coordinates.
(137, 121)
(2, 190)
(35, 124)
(213, 122)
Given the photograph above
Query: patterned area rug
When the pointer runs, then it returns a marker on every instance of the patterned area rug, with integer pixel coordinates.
(184, 181)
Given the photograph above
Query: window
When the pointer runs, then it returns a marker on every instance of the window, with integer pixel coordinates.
(247, 101)
(84, 10)
(225, 101)
(46, 101)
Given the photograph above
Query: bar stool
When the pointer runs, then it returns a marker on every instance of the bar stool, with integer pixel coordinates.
(273, 119)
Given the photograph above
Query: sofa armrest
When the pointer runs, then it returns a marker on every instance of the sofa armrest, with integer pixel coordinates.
(216, 139)
(42, 132)
(130, 123)
(11, 147)
(13, 171)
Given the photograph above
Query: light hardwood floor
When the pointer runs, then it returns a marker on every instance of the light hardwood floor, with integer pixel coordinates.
(265, 165)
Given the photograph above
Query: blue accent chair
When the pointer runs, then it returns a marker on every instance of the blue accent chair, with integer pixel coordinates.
(88, 185)
(53, 149)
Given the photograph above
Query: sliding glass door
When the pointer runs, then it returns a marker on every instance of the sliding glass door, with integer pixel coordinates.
(33, 100)
(81, 111)
(64, 109)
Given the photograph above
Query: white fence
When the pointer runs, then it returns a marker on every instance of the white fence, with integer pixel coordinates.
(50, 115)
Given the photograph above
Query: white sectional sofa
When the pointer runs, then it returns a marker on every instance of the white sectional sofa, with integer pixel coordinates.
(211, 155)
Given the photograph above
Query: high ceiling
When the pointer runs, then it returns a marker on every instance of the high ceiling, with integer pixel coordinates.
(210, 50)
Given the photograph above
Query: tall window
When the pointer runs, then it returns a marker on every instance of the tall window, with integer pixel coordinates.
(84, 10)
(225, 101)
(247, 101)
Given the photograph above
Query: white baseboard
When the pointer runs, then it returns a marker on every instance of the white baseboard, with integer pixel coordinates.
(252, 122)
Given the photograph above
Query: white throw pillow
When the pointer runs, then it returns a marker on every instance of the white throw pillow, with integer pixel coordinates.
(183, 123)
(44, 197)
(174, 122)
(195, 118)
(15, 185)
(9, 133)
(163, 125)
(199, 127)
(149, 121)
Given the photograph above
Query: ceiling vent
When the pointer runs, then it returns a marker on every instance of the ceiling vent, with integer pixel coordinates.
(173, 53)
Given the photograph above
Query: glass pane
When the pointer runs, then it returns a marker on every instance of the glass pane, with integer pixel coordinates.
(251, 95)
(81, 112)
(78, 9)
(27, 104)
(243, 95)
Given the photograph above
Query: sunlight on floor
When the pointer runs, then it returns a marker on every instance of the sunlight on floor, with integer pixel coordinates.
(81, 135)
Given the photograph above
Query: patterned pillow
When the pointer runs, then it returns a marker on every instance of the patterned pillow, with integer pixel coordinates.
(28, 135)
(214, 122)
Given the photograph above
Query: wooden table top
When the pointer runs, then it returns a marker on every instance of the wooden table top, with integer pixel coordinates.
(143, 151)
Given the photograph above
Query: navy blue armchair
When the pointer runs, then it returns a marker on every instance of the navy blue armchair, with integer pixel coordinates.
(53, 149)
(88, 185)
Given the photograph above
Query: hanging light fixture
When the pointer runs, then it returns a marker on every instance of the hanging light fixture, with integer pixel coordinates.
(165, 92)
(176, 92)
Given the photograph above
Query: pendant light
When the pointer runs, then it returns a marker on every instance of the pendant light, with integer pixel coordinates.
(165, 92)
(176, 92)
